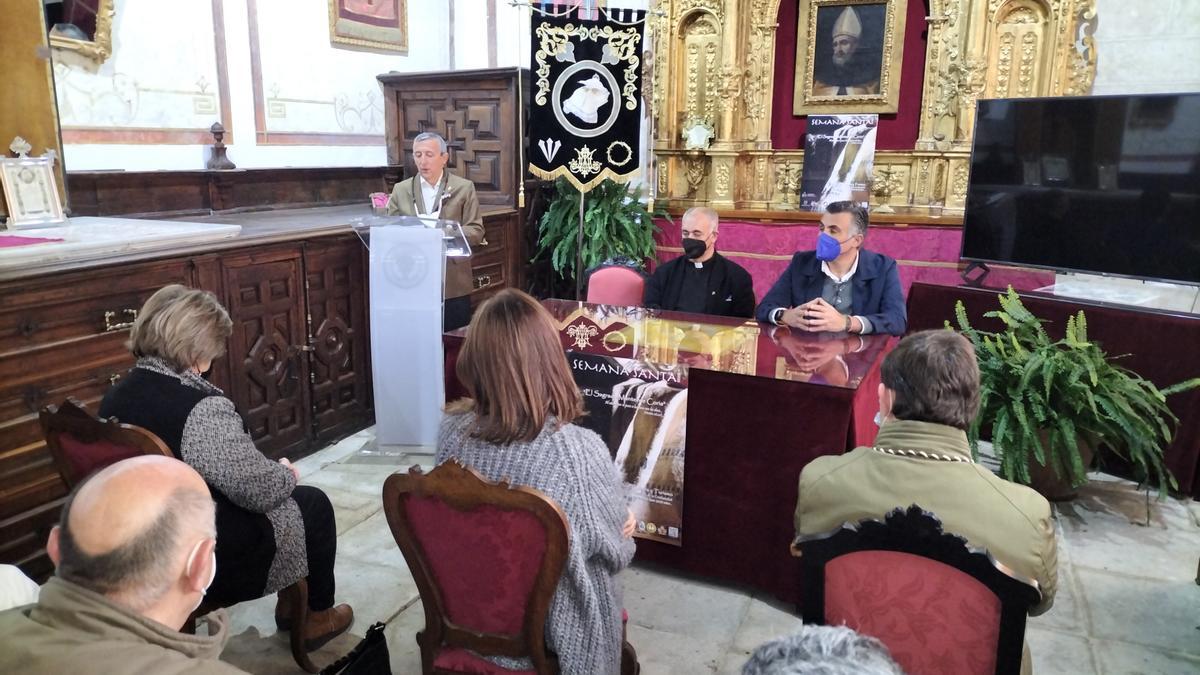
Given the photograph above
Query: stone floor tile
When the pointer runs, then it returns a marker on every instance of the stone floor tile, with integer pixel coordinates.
(1056, 653)
(1122, 658)
(670, 653)
(272, 654)
(401, 636)
(1160, 614)
(335, 453)
(334, 477)
(259, 614)
(375, 592)
(732, 662)
(1106, 529)
(1067, 615)
(764, 621)
(668, 604)
(371, 542)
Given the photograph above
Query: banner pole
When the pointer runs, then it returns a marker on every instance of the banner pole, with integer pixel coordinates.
(579, 253)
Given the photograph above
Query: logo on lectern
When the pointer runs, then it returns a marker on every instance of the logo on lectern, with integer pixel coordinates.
(405, 266)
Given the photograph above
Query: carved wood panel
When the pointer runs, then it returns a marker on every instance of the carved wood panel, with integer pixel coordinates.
(475, 111)
(341, 373)
(264, 295)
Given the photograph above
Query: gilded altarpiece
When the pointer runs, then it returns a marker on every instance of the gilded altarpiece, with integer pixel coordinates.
(714, 64)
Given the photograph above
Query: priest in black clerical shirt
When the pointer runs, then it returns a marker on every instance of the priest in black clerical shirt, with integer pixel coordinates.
(701, 281)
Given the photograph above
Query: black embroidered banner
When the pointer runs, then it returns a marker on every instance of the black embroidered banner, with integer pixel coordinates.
(586, 112)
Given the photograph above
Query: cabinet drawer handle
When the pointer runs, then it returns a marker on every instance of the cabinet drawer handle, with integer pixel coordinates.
(111, 324)
(483, 281)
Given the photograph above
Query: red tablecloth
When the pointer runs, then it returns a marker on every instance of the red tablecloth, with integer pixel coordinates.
(12, 241)
(1162, 347)
(748, 437)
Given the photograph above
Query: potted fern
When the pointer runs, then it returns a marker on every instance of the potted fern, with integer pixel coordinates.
(1051, 403)
(616, 224)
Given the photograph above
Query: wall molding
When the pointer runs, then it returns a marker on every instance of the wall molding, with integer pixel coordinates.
(170, 136)
(265, 137)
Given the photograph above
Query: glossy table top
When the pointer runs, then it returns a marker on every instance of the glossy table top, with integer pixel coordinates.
(672, 343)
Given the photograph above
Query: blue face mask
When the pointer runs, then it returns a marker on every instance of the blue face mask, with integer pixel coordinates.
(828, 248)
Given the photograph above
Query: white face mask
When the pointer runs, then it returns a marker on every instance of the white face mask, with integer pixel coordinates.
(212, 573)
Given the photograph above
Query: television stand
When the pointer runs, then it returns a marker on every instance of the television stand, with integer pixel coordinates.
(975, 281)
(1135, 294)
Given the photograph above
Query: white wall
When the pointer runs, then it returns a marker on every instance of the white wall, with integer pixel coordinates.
(1147, 46)
(165, 82)
(1143, 48)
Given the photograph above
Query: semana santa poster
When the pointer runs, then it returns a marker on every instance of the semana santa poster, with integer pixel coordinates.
(641, 413)
(839, 157)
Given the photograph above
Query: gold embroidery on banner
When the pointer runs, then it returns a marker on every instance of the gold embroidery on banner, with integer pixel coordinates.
(582, 335)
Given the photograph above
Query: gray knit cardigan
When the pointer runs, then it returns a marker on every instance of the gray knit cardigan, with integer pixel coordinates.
(216, 445)
(572, 466)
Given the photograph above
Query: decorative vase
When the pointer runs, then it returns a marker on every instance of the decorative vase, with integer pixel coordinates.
(1052, 486)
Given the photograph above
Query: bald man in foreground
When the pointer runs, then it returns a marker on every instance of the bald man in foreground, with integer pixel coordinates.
(133, 553)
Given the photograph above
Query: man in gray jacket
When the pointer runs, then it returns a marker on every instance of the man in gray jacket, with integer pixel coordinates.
(134, 552)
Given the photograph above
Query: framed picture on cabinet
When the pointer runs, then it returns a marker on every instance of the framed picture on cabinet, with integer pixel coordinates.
(30, 195)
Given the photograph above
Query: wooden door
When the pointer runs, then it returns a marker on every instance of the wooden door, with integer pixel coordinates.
(340, 359)
(264, 293)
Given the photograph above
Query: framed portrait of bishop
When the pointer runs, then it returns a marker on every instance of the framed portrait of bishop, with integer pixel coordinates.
(848, 56)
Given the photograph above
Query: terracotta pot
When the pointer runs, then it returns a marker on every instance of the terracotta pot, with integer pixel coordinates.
(1049, 484)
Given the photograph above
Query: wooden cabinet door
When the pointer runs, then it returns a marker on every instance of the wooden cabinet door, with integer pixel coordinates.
(264, 293)
(340, 360)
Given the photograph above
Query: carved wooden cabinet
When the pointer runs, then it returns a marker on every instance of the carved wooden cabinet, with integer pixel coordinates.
(297, 367)
(61, 335)
(479, 113)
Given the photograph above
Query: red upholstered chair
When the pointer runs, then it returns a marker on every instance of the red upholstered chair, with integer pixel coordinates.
(81, 444)
(938, 605)
(486, 558)
(616, 286)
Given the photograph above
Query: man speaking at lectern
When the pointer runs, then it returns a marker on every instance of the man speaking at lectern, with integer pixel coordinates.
(435, 193)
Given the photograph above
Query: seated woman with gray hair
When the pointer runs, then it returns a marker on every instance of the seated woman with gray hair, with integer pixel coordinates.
(822, 650)
(270, 531)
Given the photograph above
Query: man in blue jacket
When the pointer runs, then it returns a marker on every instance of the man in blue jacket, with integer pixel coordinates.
(840, 287)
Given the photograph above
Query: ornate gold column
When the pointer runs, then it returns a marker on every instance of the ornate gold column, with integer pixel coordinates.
(714, 61)
(28, 107)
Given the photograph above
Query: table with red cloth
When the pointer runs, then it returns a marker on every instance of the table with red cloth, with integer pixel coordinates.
(753, 422)
(1162, 347)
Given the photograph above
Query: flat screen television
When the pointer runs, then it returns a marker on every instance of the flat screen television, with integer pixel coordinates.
(1099, 184)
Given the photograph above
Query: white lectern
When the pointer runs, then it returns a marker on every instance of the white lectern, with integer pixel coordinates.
(407, 278)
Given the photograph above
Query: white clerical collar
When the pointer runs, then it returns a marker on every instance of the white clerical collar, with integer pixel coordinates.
(845, 277)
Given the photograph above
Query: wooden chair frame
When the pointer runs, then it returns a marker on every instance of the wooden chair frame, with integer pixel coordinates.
(463, 489)
(73, 418)
(919, 533)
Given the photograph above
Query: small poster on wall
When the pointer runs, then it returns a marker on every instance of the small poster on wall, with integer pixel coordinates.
(839, 157)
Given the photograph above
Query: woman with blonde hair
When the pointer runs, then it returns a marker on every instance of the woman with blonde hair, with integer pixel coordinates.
(516, 423)
(270, 531)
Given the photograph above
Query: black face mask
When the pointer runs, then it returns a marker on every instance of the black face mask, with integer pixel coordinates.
(694, 248)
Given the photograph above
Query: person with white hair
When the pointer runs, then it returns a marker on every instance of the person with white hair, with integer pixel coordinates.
(701, 281)
(822, 650)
